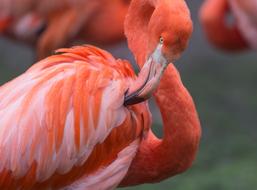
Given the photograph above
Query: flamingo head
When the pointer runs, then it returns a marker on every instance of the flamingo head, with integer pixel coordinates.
(158, 31)
(158, 28)
(170, 27)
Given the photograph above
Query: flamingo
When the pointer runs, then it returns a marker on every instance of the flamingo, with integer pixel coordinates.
(54, 24)
(240, 35)
(80, 120)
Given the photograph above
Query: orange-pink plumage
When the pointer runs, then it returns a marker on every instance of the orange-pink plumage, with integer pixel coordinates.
(80, 119)
(65, 105)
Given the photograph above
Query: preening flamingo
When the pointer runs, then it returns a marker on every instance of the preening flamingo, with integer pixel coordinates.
(52, 24)
(240, 35)
(80, 120)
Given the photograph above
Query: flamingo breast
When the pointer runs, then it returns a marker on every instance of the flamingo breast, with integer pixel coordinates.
(63, 123)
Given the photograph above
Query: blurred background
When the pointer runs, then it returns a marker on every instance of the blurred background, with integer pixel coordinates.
(224, 87)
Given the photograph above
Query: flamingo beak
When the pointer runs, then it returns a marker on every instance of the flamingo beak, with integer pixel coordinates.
(148, 79)
(158, 56)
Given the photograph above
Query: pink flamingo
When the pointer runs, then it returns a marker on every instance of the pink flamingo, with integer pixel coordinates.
(80, 119)
(242, 34)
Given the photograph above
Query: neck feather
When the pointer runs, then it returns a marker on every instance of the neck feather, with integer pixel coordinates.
(136, 28)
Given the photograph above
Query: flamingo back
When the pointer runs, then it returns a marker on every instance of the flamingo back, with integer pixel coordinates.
(64, 119)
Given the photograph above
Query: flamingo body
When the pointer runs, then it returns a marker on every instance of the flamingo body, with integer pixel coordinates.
(70, 123)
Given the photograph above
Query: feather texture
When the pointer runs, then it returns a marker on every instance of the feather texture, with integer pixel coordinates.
(64, 118)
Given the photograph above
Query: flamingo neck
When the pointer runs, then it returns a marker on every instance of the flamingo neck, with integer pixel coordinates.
(158, 159)
(136, 28)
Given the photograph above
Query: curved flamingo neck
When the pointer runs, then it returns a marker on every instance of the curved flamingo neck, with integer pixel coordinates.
(213, 17)
(159, 159)
(137, 30)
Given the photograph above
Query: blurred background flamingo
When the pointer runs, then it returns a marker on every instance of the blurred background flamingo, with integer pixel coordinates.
(54, 24)
(81, 117)
(230, 24)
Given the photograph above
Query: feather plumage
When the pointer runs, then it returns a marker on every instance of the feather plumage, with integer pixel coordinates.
(68, 111)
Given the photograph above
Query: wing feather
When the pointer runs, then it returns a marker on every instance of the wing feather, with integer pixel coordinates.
(57, 117)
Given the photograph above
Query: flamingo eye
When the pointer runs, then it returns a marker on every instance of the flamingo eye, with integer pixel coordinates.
(161, 40)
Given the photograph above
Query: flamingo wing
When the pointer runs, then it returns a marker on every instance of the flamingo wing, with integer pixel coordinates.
(64, 119)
